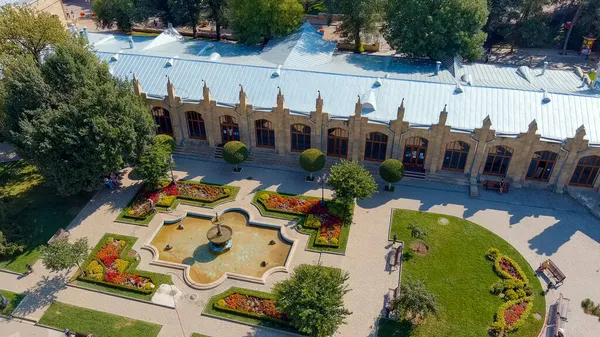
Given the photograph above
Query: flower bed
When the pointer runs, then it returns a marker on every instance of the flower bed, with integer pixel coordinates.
(317, 217)
(106, 267)
(511, 315)
(202, 192)
(507, 268)
(252, 304)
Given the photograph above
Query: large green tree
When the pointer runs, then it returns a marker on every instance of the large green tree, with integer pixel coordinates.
(351, 181)
(415, 302)
(80, 123)
(215, 10)
(156, 161)
(255, 21)
(62, 255)
(437, 28)
(187, 13)
(360, 18)
(26, 32)
(313, 299)
(122, 13)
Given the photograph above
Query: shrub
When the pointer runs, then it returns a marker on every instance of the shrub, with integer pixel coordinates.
(497, 288)
(521, 293)
(312, 222)
(511, 295)
(121, 265)
(334, 241)
(166, 201)
(154, 166)
(392, 171)
(235, 153)
(312, 160)
(417, 232)
(528, 290)
(512, 283)
(94, 270)
(493, 254)
(165, 141)
(265, 196)
(337, 208)
(221, 303)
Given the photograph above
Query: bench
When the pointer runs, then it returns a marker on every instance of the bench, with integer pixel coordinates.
(495, 185)
(553, 269)
(393, 258)
(560, 317)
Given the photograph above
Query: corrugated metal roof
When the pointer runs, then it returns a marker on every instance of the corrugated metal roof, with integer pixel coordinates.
(15, 2)
(510, 110)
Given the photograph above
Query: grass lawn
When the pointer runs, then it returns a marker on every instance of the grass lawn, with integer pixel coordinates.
(211, 310)
(300, 221)
(14, 299)
(144, 222)
(157, 278)
(62, 316)
(458, 273)
(34, 211)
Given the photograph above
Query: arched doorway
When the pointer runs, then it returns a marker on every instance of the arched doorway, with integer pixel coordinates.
(265, 135)
(455, 158)
(230, 130)
(497, 161)
(586, 172)
(376, 146)
(196, 127)
(415, 149)
(337, 143)
(162, 119)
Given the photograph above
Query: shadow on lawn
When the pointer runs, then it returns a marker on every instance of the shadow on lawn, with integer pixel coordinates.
(41, 295)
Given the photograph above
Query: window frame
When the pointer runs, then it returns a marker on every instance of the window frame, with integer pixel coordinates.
(262, 132)
(305, 135)
(493, 153)
(380, 144)
(194, 118)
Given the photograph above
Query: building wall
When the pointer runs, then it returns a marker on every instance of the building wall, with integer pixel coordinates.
(54, 7)
(398, 131)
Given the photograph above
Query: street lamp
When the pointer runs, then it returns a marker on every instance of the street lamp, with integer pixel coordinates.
(322, 181)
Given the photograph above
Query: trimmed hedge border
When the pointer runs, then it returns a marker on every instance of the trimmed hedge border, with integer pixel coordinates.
(247, 292)
(506, 275)
(501, 323)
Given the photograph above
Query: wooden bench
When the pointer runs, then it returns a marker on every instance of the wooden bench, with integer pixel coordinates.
(553, 269)
(393, 258)
(560, 316)
(495, 185)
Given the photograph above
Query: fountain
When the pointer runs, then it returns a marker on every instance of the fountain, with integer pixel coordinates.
(219, 236)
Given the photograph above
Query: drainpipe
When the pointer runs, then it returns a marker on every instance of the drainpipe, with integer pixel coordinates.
(476, 141)
(555, 185)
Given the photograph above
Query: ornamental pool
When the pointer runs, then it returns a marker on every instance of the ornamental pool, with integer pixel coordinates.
(249, 249)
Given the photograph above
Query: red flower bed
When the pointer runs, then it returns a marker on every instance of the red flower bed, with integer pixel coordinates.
(514, 313)
(201, 191)
(260, 306)
(128, 280)
(109, 252)
(508, 267)
(290, 204)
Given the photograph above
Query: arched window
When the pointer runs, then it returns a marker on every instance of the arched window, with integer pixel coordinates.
(162, 119)
(195, 122)
(376, 146)
(455, 158)
(498, 160)
(265, 135)
(586, 171)
(541, 165)
(415, 149)
(337, 143)
(230, 130)
(300, 137)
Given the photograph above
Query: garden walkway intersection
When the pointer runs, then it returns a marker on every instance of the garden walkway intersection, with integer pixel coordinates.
(539, 224)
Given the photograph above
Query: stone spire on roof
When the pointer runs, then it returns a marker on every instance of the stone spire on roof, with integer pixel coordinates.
(400, 113)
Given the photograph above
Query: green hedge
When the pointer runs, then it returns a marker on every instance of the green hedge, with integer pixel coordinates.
(506, 275)
(247, 292)
(500, 323)
(326, 244)
(312, 222)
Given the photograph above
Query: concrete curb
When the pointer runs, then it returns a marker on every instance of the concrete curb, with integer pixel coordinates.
(120, 296)
(231, 320)
(10, 272)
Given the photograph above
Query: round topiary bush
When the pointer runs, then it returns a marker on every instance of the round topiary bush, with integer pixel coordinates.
(165, 140)
(234, 153)
(312, 160)
(392, 171)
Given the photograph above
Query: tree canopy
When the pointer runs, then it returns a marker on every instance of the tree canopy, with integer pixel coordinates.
(156, 161)
(122, 13)
(78, 123)
(313, 299)
(62, 255)
(254, 21)
(414, 301)
(437, 28)
(312, 160)
(360, 18)
(351, 181)
(26, 32)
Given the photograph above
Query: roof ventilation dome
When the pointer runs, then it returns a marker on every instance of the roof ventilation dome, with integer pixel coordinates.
(458, 89)
(115, 57)
(525, 72)
(170, 62)
(378, 83)
(277, 72)
(214, 56)
(467, 79)
(546, 98)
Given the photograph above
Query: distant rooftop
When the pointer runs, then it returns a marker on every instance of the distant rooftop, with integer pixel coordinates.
(15, 2)
(303, 63)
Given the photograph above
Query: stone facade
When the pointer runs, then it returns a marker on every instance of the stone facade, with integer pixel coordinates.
(514, 153)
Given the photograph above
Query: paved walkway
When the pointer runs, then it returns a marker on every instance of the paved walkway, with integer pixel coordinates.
(17, 328)
(540, 224)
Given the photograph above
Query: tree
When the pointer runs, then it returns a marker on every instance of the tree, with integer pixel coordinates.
(414, 302)
(313, 299)
(255, 21)
(392, 171)
(25, 32)
(215, 10)
(235, 153)
(155, 163)
(437, 28)
(351, 181)
(187, 13)
(589, 15)
(9, 248)
(359, 18)
(417, 232)
(62, 255)
(115, 12)
(82, 125)
(312, 160)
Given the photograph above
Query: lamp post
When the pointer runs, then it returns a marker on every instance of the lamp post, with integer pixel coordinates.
(322, 181)
(4, 302)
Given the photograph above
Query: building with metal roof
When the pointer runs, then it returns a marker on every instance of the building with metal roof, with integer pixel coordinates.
(53, 7)
(364, 104)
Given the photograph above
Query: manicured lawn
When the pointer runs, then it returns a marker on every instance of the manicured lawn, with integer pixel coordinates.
(34, 211)
(63, 316)
(144, 222)
(300, 221)
(458, 273)
(157, 278)
(14, 299)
